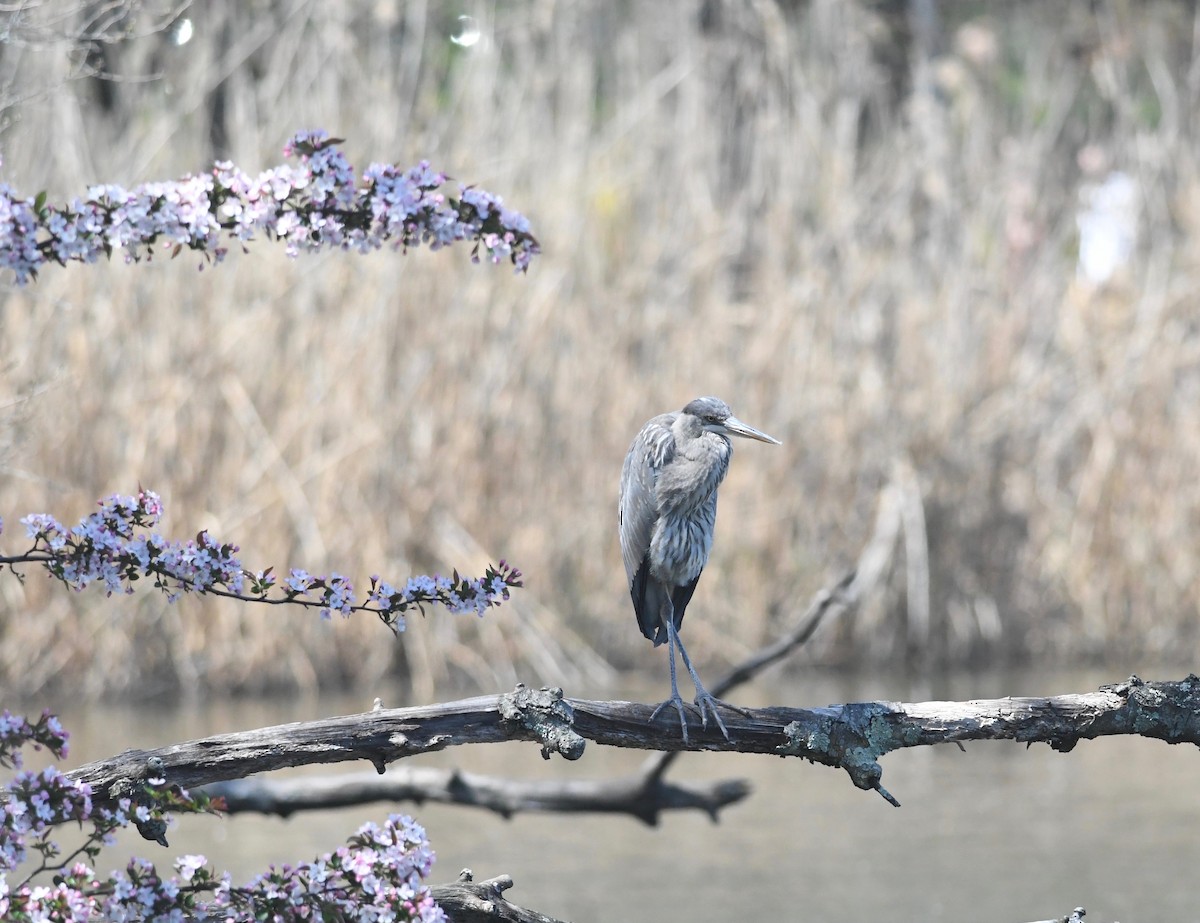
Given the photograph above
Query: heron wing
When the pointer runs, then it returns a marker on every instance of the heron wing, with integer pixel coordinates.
(653, 448)
(681, 597)
(648, 596)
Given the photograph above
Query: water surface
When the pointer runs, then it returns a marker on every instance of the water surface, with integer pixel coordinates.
(999, 832)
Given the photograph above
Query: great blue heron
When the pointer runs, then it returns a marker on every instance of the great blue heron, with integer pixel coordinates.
(667, 513)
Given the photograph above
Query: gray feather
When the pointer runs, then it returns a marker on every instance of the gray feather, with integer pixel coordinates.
(668, 510)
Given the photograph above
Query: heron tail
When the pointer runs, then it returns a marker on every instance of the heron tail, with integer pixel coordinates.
(649, 598)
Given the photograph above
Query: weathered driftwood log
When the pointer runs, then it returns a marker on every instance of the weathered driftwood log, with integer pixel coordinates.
(470, 901)
(851, 737)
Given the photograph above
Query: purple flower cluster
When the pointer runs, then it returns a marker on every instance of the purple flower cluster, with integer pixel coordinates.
(37, 801)
(107, 547)
(460, 595)
(111, 546)
(336, 591)
(16, 731)
(378, 875)
(314, 205)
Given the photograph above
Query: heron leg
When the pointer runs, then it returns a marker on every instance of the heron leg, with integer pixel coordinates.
(703, 699)
(675, 699)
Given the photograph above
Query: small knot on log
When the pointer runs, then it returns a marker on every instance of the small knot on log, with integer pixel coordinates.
(544, 714)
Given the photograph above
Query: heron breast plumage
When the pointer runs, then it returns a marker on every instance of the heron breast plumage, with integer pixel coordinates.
(681, 543)
(685, 495)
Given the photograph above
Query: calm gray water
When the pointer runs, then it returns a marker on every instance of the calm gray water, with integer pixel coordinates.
(997, 833)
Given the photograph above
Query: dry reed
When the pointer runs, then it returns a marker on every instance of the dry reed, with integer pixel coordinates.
(864, 241)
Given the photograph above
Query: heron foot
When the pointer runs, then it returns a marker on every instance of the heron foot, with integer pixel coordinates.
(744, 712)
(679, 707)
(706, 703)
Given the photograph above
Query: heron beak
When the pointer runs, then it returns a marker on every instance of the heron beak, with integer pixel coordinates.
(735, 427)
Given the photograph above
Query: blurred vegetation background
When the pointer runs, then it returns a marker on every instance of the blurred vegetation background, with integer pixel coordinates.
(864, 224)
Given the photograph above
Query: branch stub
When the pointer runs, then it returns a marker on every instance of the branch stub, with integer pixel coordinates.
(546, 715)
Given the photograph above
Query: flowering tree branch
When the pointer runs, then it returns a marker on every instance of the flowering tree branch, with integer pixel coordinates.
(314, 205)
(113, 546)
(378, 874)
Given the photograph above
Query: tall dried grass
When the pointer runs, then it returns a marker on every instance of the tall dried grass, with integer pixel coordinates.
(865, 241)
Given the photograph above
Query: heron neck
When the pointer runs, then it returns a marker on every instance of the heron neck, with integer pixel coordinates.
(700, 464)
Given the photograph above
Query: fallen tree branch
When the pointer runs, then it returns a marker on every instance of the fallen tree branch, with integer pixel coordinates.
(851, 737)
(1075, 916)
(641, 797)
(470, 901)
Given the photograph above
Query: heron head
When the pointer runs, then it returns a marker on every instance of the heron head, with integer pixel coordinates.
(716, 417)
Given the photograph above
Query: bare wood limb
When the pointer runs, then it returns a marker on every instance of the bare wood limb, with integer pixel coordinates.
(469, 901)
(1075, 916)
(634, 795)
(851, 737)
